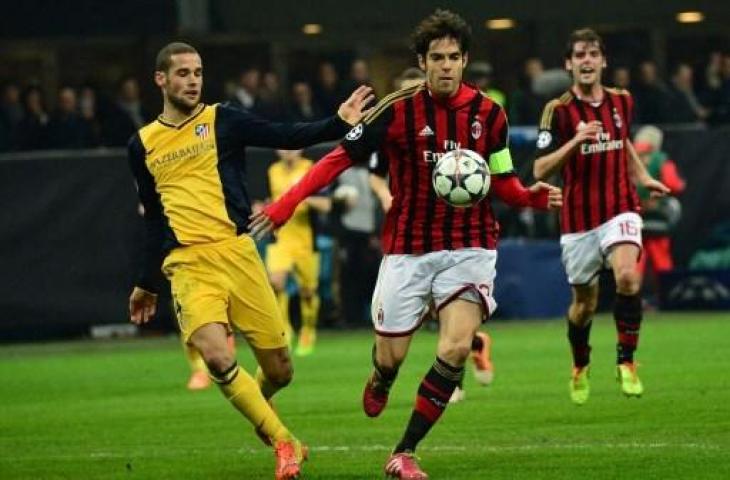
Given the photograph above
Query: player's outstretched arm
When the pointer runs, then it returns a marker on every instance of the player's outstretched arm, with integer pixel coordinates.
(142, 305)
(319, 176)
(246, 129)
(546, 165)
(541, 196)
(641, 175)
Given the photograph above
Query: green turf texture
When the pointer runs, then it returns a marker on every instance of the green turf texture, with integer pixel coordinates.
(119, 409)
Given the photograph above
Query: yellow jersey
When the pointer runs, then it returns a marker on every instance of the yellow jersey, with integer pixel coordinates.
(191, 176)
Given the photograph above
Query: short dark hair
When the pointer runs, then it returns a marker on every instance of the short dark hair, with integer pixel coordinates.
(164, 56)
(440, 24)
(587, 35)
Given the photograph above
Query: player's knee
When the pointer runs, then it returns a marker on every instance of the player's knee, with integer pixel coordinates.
(281, 377)
(628, 280)
(454, 353)
(279, 373)
(581, 311)
(217, 360)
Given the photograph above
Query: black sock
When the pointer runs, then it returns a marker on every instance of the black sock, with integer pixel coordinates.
(431, 400)
(627, 314)
(578, 337)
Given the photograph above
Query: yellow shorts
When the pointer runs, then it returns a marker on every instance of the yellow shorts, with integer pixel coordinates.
(303, 263)
(225, 282)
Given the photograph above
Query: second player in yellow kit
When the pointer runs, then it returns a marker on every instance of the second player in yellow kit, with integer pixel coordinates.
(294, 250)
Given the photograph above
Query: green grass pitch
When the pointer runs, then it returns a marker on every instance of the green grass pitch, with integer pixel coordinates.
(119, 410)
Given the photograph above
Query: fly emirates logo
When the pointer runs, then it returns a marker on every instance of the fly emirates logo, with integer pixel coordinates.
(433, 157)
(604, 144)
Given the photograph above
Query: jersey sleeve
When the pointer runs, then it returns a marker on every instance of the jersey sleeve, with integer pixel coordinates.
(499, 156)
(548, 133)
(248, 129)
(149, 274)
(368, 136)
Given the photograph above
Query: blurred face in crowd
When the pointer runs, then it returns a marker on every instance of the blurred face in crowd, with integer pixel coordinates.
(444, 65)
(302, 93)
(34, 101)
(621, 77)
(647, 71)
(359, 71)
(327, 75)
(533, 68)
(67, 100)
(130, 90)
(271, 82)
(11, 94)
(182, 83)
(250, 80)
(683, 77)
(586, 63)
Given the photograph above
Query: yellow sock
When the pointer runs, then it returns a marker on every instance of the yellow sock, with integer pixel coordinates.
(244, 393)
(195, 360)
(267, 388)
(310, 311)
(282, 299)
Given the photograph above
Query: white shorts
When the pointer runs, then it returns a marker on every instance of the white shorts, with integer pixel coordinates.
(585, 254)
(407, 284)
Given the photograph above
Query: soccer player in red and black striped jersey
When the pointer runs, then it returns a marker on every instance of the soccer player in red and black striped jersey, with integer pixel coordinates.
(584, 136)
(433, 252)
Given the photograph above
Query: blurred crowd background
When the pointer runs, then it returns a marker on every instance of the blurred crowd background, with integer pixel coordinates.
(76, 81)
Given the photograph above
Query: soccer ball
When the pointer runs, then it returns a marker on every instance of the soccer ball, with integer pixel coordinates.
(461, 178)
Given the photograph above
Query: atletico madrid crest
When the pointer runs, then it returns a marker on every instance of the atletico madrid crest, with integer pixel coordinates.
(202, 130)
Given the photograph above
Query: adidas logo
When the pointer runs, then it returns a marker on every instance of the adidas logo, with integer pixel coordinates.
(426, 132)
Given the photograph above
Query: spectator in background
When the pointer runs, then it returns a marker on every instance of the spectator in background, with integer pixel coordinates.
(303, 108)
(660, 215)
(328, 93)
(711, 84)
(359, 247)
(247, 91)
(125, 115)
(525, 105)
(650, 95)
(11, 114)
(723, 99)
(271, 103)
(66, 128)
(359, 75)
(32, 132)
(622, 78)
(481, 75)
(89, 110)
(684, 106)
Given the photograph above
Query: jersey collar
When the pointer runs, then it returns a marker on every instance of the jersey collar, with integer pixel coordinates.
(198, 110)
(464, 95)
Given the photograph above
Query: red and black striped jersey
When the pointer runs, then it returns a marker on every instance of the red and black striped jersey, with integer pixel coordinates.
(596, 183)
(410, 129)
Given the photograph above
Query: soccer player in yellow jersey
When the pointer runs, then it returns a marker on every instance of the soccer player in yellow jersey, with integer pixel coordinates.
(190, 170)
(294, 251)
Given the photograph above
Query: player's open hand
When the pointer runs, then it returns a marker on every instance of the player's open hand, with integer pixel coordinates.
(142, 305)
(353, 109)
(554, 194)
(260, 225)
(587, 131)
